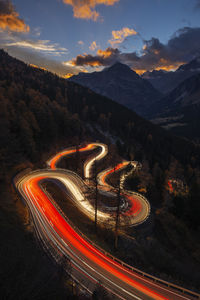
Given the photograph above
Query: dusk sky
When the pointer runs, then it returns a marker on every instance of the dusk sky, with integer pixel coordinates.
(69, 36)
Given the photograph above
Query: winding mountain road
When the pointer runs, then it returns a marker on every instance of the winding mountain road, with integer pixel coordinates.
(89, 264)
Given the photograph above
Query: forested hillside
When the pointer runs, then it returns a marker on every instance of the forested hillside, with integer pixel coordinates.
(41, 113)
(39, 109)
(179, 111)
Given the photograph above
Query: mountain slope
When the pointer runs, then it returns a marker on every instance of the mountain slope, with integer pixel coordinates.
(39, 109)
(180, 110)
(40, 114)
(165, 82)
(122, 85)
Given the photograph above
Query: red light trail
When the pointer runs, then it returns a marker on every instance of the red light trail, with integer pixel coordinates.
(55, 229)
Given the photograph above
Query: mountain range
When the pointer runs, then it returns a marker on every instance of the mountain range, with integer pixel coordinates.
(176, 109)
(179, 111)
(122, 85)
(165, 81)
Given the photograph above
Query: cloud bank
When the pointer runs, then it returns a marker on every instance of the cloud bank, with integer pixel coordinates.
(182, 47)
(102, 58)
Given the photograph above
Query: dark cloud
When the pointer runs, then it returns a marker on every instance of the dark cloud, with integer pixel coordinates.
(185, 44)
(182, 47)
(6, 7)
(103, 58)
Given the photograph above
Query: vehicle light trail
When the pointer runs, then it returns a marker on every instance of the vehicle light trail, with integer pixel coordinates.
(138, 206)
(57, 233)
(52, 162)
(170, 186)
(90, 162)
(41, 202)
(103, 175)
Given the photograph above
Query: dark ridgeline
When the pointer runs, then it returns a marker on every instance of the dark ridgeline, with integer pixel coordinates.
(179, 111)
(40, 111)
(144, 95)
(122, 85)
(166, 81)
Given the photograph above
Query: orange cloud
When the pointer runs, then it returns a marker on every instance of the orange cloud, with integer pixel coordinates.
(93, 46)
(9, 18)
(37, 67)
(102, 58)
(163, 64)
(13, 23)
(139, 72)
(105, 53)
(169, 67)
(94, 63)
(85, 9)
(68, 75)
(118, 36)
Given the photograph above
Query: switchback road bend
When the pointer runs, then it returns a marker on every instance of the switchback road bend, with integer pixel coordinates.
(90, 265)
